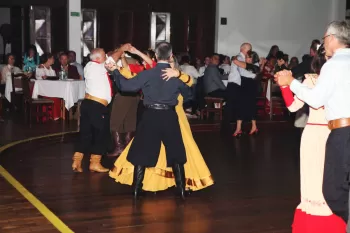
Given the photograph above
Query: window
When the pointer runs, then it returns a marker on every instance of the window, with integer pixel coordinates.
(88, 41)
(40, 28)
(160, 28)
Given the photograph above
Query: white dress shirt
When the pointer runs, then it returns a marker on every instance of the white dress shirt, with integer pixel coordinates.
(332, 89)
(234, 76)
(6, 73)
(191, 71)
(226, 68)
(7, 79)
(242, 71)
(202, 70)
(40, 72)
(79, 68)
(97, 81)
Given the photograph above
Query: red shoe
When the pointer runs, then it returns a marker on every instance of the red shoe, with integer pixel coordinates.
(255, 132)
(238, 134)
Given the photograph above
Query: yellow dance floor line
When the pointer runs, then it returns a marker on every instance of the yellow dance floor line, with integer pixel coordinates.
(51, 217)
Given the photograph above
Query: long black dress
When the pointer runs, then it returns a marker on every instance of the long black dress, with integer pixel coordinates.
(249, 91)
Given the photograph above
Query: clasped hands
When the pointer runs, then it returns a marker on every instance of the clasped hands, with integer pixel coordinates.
(168, 73)
(284, 78)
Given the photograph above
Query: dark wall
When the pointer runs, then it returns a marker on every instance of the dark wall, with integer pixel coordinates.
(129, 21)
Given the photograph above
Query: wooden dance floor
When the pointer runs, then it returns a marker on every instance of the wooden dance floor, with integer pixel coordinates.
(256, 189)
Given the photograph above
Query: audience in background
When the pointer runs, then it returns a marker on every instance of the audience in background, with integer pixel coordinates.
(72, 58)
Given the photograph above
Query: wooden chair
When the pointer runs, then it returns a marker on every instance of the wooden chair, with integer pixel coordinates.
(276, 103)
(31, 104)
(261, 100)
(210, 107)
(74, 112)
(16, 96)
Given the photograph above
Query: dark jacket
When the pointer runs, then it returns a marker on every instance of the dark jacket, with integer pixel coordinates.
(303, 68)
(72, 72)
(212, 79)
(154, 88)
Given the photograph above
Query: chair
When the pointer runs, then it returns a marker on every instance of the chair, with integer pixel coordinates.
(74, 112)
(276, 103)
(261, 99)
(16, 95)
(211, 108)
(35, 104)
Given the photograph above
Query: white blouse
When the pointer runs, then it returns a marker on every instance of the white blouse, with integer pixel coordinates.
(40, 72)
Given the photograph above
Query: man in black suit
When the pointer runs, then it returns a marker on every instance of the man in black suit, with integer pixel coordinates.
(159, 121)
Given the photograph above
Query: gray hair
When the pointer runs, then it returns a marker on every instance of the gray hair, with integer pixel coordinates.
(164, 51)
(246, 45)
(95, 55)
(340, 30)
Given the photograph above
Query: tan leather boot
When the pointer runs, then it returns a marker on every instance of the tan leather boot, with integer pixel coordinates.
(95, 164)
(77, 158)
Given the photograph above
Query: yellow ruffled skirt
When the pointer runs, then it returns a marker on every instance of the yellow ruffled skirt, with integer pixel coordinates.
(161, 177)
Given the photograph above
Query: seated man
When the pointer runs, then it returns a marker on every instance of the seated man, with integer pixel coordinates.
(212, 80)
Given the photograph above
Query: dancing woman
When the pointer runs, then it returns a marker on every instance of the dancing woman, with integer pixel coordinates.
(248, 93)
(313, 214)
(160, 177)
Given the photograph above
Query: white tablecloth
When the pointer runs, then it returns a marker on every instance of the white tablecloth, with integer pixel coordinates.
(8, 88)
(69, 90)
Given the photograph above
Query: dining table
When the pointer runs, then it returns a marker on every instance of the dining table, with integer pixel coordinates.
(70, 91)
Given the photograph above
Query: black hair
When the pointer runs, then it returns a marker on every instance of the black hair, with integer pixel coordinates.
(280, 55)
(318, 60)
(254, 56)
(295, 58)
(35, 57)
(185, 59)
(8, 56)
(314, 45)
(45, 57)
(63, 54)
(271, 50)
(75, 54)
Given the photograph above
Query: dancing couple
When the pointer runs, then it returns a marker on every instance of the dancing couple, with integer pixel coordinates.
(325, 143)
(163, 147)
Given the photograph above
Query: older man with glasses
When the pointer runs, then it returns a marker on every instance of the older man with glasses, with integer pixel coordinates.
(333, 92)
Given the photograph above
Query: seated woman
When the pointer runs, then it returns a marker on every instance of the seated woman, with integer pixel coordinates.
(161, 177)
(31, 59)
(43, 71)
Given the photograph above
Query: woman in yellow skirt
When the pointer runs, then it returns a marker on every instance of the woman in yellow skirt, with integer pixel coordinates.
(161, 177)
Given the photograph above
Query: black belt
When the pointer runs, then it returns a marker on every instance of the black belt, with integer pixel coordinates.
(159, 106)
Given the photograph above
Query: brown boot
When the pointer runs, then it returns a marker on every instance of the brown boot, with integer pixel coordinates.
(119, 147)
(77, 158)
(128, 137)
(95, 164)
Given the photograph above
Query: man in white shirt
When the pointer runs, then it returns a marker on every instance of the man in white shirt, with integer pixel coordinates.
(202, 69)
(188, 69)
(233, 90)
(333, 92)
(6, 78)
(94, 119)
(72, 58)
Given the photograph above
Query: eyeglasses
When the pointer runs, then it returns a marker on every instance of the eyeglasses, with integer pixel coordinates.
(323, 38)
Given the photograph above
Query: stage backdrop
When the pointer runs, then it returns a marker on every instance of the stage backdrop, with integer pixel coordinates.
(291, 24)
